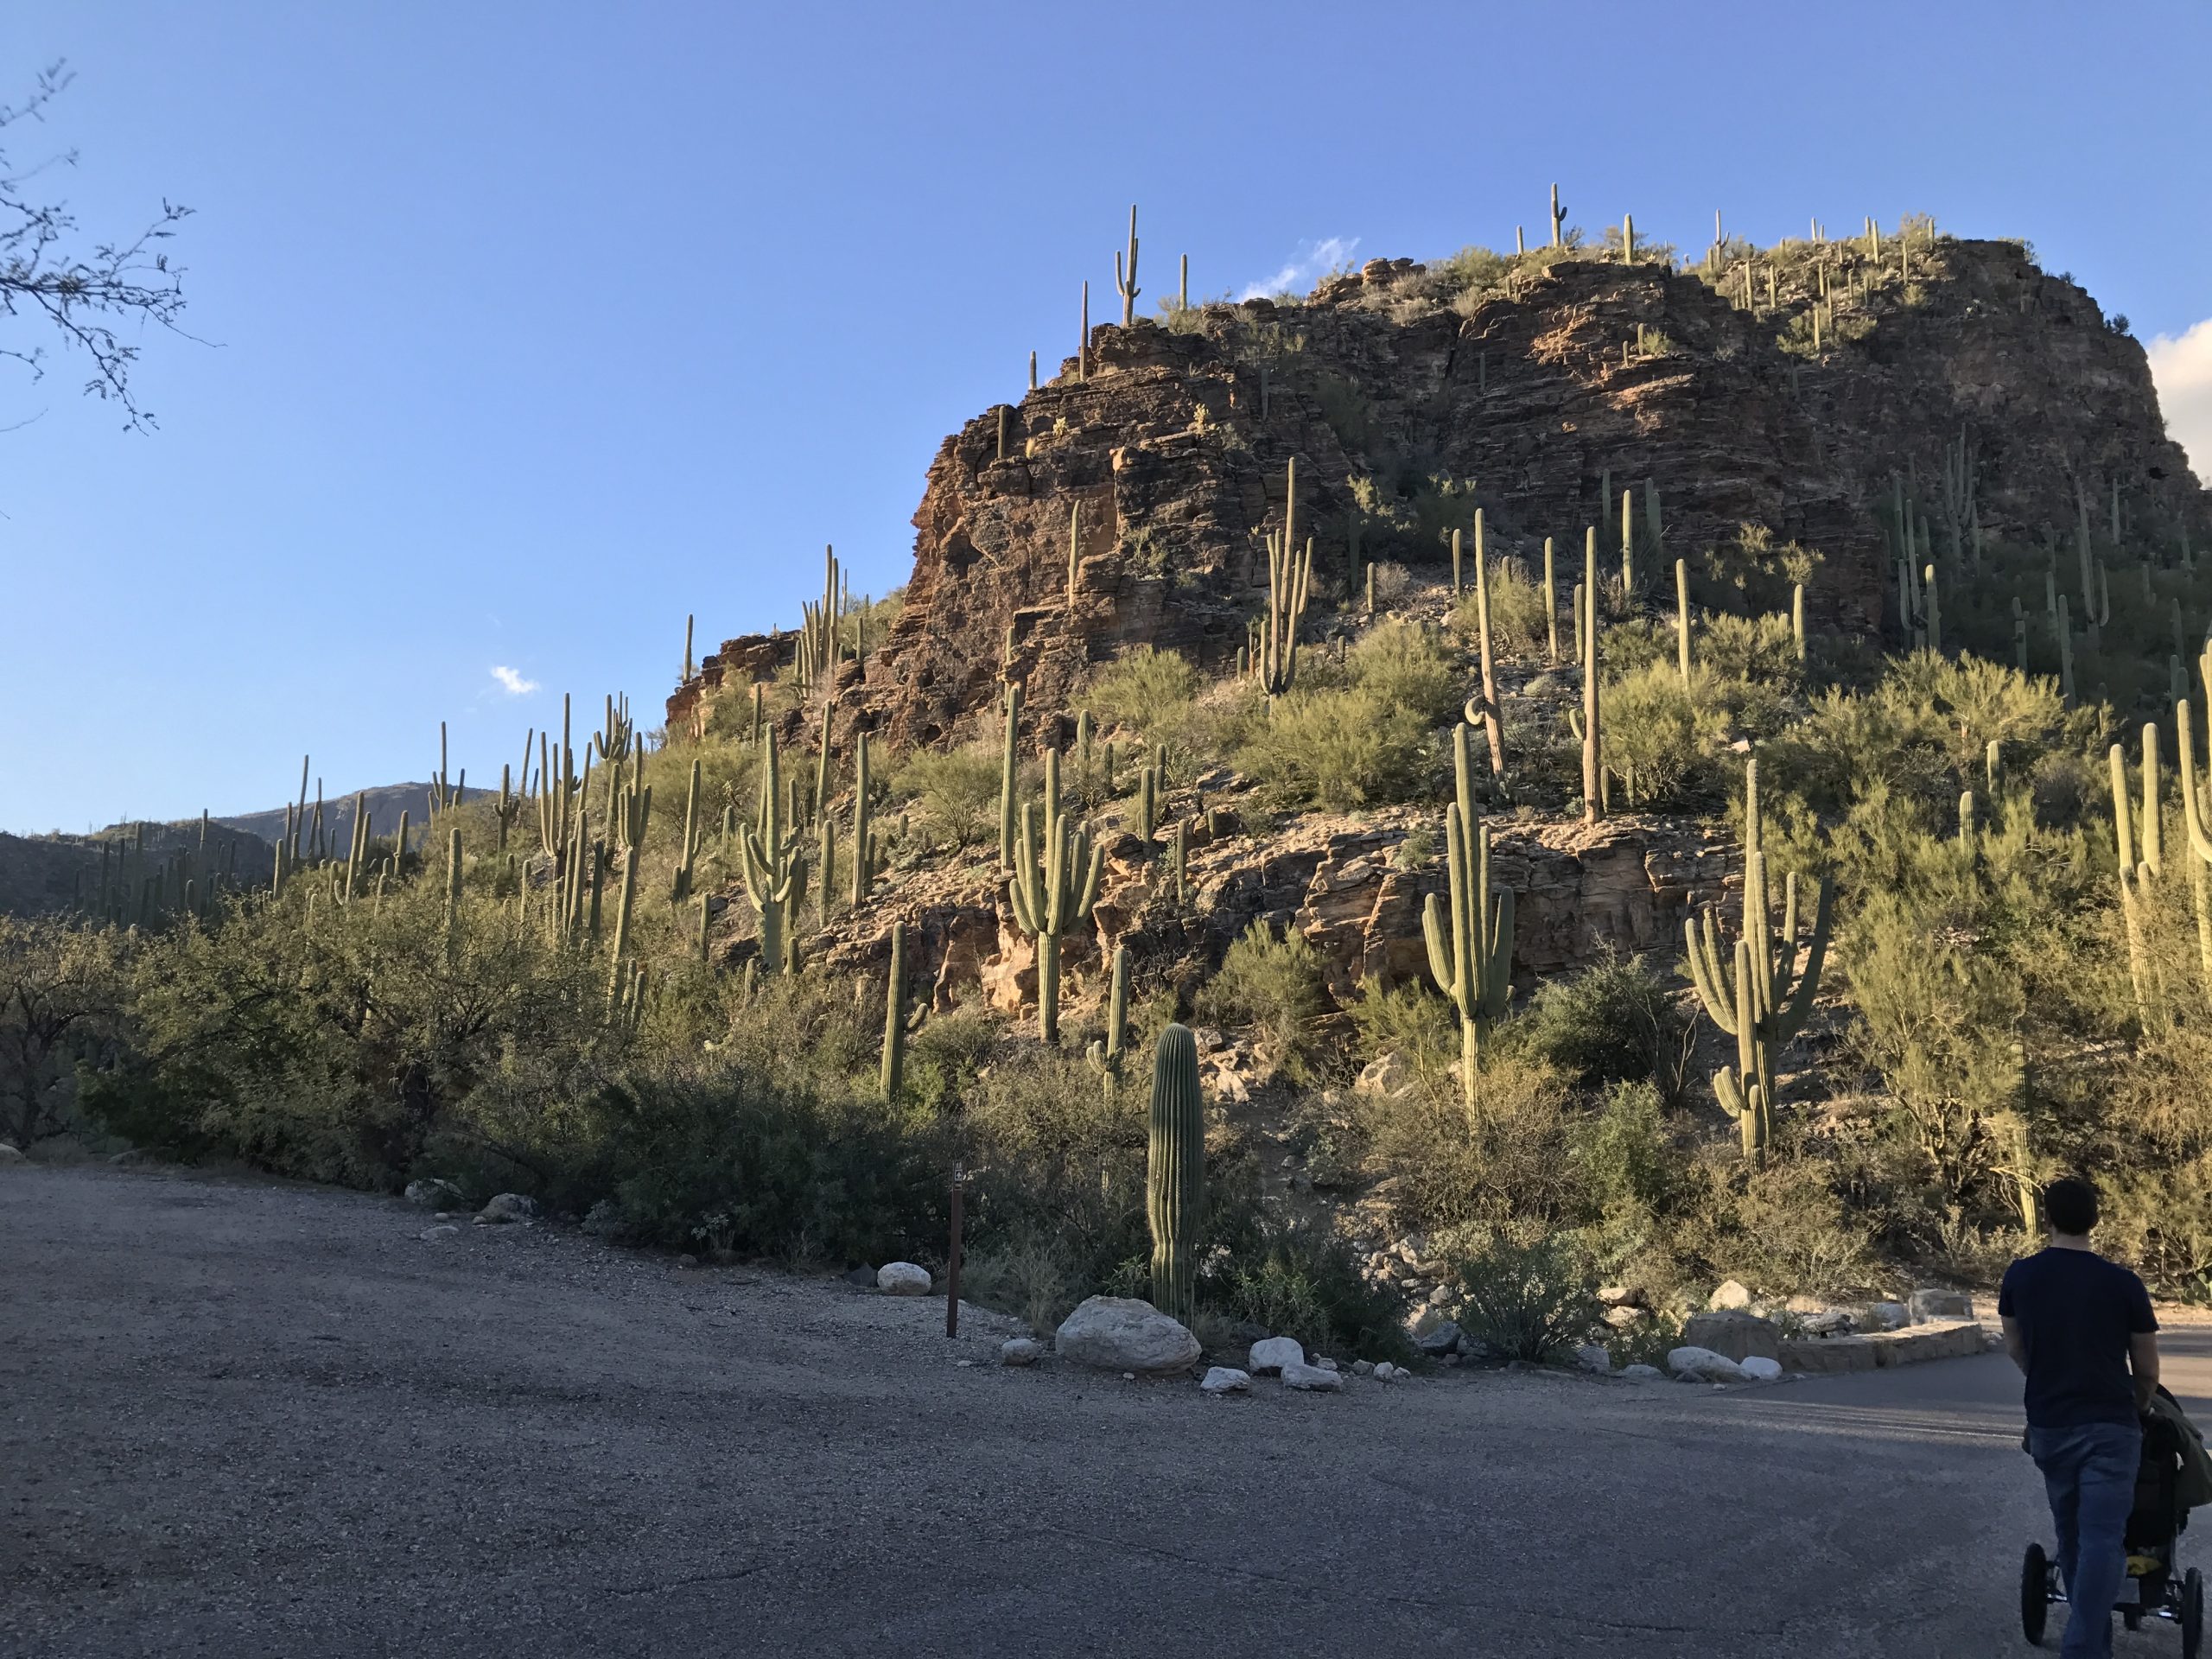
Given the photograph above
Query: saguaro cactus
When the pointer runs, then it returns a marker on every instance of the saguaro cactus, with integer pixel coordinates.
(1471, 958)
(1105, 1056)
(1054, 884)
(1683, 618)
(1593, 781)
(1175, 1172)
(894, 1015)
(1485, 712)
(1755, 1000)
(863, 830)
(1125, 283)
(774, 868)
(1289, 572)
(1009, 773)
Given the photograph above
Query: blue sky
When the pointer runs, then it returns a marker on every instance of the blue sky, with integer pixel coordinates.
(536, 327)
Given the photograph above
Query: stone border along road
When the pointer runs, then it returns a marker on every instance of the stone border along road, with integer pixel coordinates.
(243, 1418)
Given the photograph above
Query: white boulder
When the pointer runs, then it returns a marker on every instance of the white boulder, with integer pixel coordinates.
(507, 1207)
(1594, 1356)
(1223, 1379)
(9, 1155)
(1271, 1353)
(1729, 1294)
(1313, 1378)
(1021, 1350)
(1760, 1369)
(1703, 1365)
(902, 1279)
(1119, 1333)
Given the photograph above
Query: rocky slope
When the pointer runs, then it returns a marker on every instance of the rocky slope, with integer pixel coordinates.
(1550, 391)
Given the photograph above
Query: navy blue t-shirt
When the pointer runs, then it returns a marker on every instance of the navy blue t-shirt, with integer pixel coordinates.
(2076, 1310)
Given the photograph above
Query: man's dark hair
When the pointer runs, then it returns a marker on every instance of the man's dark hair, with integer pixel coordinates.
(2070, 1203)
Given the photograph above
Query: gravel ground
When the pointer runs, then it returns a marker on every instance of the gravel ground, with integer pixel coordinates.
(244, 1418)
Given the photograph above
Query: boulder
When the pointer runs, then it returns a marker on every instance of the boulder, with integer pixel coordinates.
(1828, 1322)
(1929, 1306)
(902, 1279)
(1388, 1076)
(1889, 1316)
(506, 1208)
(1729, 1294)
(1271, 1353)
(1386, 1372)
(861, 1277)
(1641, 1373)
(1594, 1356)
(1620, 1295)
(1021, 1350)
(1695, 1365)
(1313, 1378)
(1760, 1369)
(435, 1194)
(1223, 1379)
(1362, 1368)
(1119, 1333)
(1443, 1338)
(1625, 1317)
(10, 1154)
(1734, 1333)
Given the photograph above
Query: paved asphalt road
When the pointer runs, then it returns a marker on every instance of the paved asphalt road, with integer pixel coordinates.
(243, 1418)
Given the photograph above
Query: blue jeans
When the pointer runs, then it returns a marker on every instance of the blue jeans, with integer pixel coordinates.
(2088, 1472)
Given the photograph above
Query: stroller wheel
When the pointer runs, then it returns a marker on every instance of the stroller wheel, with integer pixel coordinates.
(2192, 1613)
(2035, 1594)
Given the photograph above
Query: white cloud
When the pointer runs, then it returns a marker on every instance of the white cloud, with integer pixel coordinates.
(2182, 368)
(1312, 261)
(511, 681)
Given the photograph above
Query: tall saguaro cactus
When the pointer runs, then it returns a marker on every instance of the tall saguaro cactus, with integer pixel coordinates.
(1289, 572)
(894, 1015)
(1125, 282)
(1493, 726)
(1471, 957)
(1105, 1056)
(1760, 999)
(773, 867)
(1175, 1172)
(1593, 778)
(1009, 774)
(1054, 886)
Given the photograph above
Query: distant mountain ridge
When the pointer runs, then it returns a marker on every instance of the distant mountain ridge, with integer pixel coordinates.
(384, 804)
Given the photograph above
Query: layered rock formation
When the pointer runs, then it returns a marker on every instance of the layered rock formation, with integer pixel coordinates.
(1561, 385)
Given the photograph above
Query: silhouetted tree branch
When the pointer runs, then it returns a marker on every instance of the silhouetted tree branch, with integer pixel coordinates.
(86, 295)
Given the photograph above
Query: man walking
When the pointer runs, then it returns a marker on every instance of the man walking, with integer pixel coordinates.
(2081, 1327)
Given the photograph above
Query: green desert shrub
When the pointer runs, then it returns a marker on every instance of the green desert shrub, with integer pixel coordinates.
(1337, 749)
(1404, 665)
(955, 792)
(1299, 1278)
(1615, 1021)
(1272, 985)
(1533, 1301)
(1435, 1164)
(1660, 735)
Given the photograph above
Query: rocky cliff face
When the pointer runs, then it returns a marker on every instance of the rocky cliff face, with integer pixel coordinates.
(1548, 391)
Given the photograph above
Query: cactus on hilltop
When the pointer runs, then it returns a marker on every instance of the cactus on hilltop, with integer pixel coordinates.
(1125, 282)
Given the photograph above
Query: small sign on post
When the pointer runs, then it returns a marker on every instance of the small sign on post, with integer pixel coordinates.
(952, 1256)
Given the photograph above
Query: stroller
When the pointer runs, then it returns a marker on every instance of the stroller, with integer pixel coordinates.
(2158, 1517)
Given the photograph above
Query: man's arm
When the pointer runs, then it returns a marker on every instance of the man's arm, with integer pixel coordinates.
(2142, 1360)
(2016, 1345)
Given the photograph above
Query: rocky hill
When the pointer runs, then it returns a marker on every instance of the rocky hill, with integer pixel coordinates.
(1539, 390)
